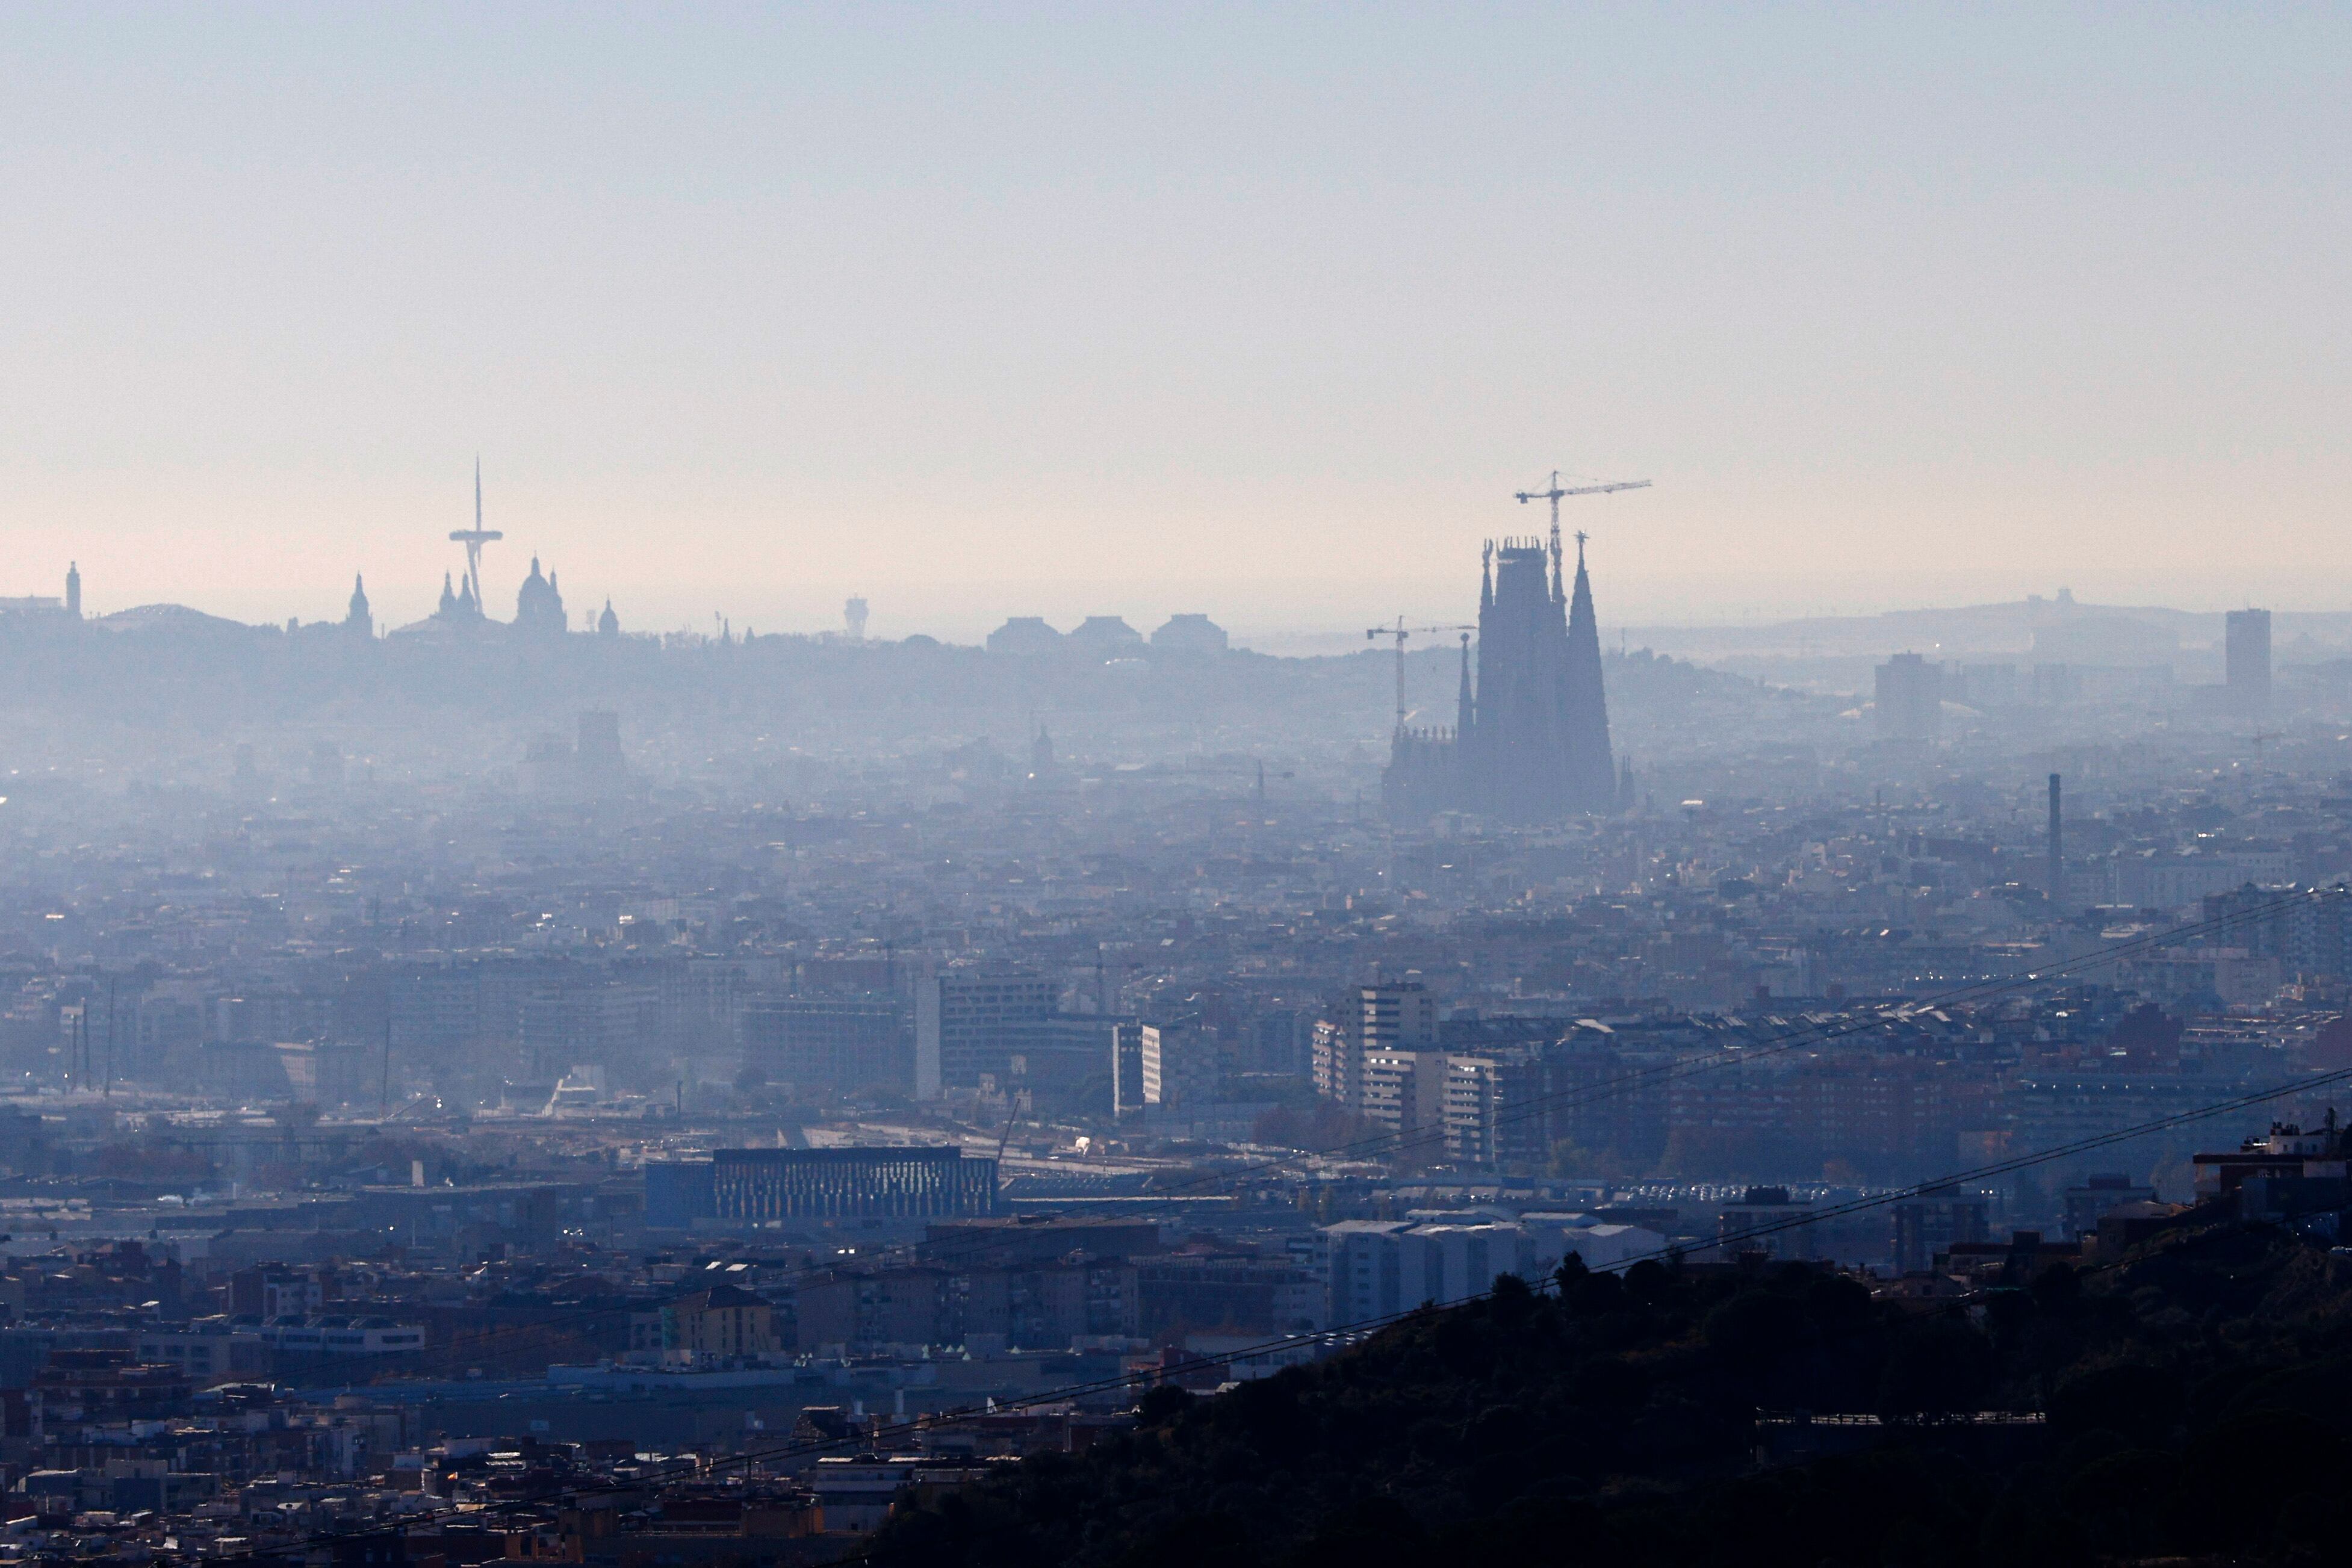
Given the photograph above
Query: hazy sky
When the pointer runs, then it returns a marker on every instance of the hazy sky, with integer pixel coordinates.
(1263, 309)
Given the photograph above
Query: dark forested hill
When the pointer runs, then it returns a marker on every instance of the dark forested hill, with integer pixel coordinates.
(2199, 1402)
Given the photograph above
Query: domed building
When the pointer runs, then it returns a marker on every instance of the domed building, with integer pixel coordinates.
(608, 625)
(1190, 634)
(538, 605)
(1106, 636)
(1025, 635)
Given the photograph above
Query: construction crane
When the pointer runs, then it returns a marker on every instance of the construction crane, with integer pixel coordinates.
(1020, 1098)
(1402, 632)
(1554, 493)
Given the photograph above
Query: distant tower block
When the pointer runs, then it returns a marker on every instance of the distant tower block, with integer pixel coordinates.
(2246, 652)
(1910, 699)
(853, 617)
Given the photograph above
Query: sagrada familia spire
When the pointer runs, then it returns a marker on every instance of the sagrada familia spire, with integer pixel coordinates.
(1592, 775)
(1530, 740)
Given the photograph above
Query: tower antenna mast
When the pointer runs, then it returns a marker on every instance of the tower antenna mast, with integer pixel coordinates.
(1553, 493)
(475, 538)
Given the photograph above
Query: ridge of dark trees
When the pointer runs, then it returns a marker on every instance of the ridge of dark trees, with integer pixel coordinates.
(2198, 1399)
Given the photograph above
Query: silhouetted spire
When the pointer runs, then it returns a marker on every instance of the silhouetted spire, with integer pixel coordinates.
(1531, 731)
(1593, 776)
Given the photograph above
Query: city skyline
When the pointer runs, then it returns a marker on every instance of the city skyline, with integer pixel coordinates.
(405, 598)
(755, 807)
(831, 303)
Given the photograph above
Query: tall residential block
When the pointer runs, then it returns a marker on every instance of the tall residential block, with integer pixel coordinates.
(1367, 1020)
(1910, 698)
(841, 1044)
(2246, 653)
(1179, 1063)
(975, 1022)
(1126, 1068)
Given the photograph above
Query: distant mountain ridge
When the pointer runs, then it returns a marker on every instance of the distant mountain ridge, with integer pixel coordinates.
(2010, 630)
(166, 617)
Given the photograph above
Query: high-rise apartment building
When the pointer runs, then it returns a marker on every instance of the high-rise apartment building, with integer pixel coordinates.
(1179, 1063)
(1367, 1020)
(1910, 698)
(1126, 1068)
(841, 1044)
(586, 1020)
(971, 1022)
(2246, 655)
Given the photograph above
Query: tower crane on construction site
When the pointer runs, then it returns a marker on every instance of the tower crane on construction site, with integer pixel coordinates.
(1400, 633)
(1555, 494)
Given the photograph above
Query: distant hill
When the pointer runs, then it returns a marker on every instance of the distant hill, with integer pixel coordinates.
(169, 618)
(2199, 1402)
(169, 662)
(2058, 629)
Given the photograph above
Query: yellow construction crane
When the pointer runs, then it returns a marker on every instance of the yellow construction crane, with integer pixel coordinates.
(1402, 632)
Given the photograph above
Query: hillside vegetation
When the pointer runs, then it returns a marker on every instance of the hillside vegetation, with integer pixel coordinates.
(2198, 1400)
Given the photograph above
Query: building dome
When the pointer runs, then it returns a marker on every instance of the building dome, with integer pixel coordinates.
(1189, 634)
(538, 606)
(1025, 635)
(1106, 635)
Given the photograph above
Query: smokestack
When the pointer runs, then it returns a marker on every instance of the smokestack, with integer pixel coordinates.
(2057, 846)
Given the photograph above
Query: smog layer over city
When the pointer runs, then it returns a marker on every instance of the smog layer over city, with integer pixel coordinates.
(1159, 786)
